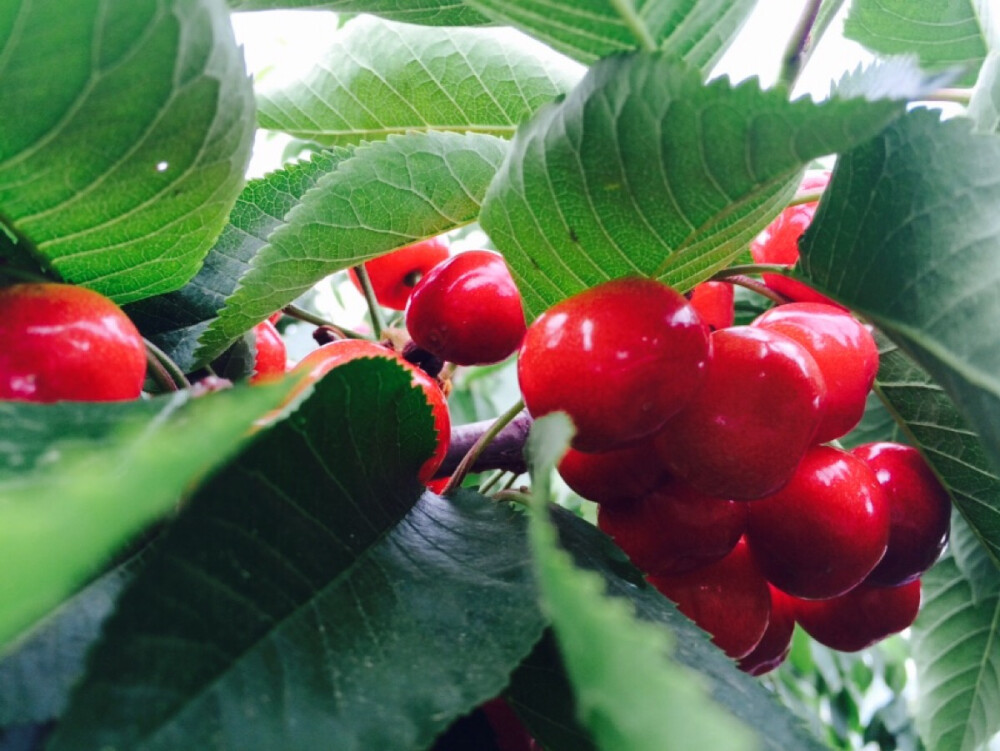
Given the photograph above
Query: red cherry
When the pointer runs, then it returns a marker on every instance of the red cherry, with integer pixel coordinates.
(62, 342)
(779, 243)
(438, 485)
(619, 358)
(743, 433)
(674, 528)
(510, 733)
(394, 275)
(729, 599)
(272, 358)
(845, 352)
(825, 531)
(715, 302)
(861, 617)
(276, 316)
(919, 509)
(776, 643)
(467, 310)
(321, 361)
(613, 477)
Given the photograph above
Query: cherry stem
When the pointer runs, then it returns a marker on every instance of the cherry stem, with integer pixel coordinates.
(484, 439)
(759, 287)
(515, 496)
(173, 369)
(750, 268)
(959, 96)
(378, 323)
(806, 196)
(159, 373)
(800, 45)
(301, 314)
(493, 480)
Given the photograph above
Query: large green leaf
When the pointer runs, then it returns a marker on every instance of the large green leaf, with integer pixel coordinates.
(943, 33)
(429, 12)
(644, 170)
(387, 195)
(126, 132)
(79, 480)
(309, 597)
(379, 77)
(174, 321)
(697, 30)
(908, 234)
(957, 652)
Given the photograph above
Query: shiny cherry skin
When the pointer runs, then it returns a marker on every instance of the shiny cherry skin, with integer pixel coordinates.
(919, 509)
(321, 361)
(613, 477)
(845, 352)
(394, 275)
(467, 310)
(674, 528)
(779, 243)
(825, 531)
(271, 359)
(619, 358)
(860, 618)
(63, 342)
(729, 599)
(743, 433)
(715, 303)
(776, 643)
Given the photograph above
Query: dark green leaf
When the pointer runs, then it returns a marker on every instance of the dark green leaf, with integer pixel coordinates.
(311, 598)
(877, 424)
(121, 168)
(429, 12)
(387, 195)
(378, 78)
(643, 170)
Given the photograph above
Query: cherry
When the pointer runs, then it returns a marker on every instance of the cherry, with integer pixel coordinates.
(729, 599)
(743, 433)
(825, 531)
(674, 528)
(619, 358)
(63, 342)
(861, 617)
(919, 510)
(779, 243)
(394, 274)
(613, 477)
(467, 310)
(715, 302)
(272, 358)
(509, 732)
(321, 361)
(845, 352)
(776, 643)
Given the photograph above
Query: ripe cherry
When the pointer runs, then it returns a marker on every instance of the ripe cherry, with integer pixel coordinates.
(63, 342)
(776, 643)
(674, 528)
(729, 599)
(321, 361)
(272, 358)
(613, 477)
(743, 433)
(394, 275)
(919, 508)
(619, 358)
(845, 352)
(467, 310)
(715, 303)
(825, 531)
(779, 243)
(861, 617)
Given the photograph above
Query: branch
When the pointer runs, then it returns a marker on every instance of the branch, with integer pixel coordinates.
(505, 451)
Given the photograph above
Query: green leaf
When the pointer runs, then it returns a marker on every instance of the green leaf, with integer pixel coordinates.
(630, 694)
(79, 480)
(957, 653)
(174, 321)
(907, 234)
(697, 30)
(119, 172)
(984, 108)
(310, 597)
(428, 12)
(379, 77)
(643, 170)
(943, 33)
(387, 195)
